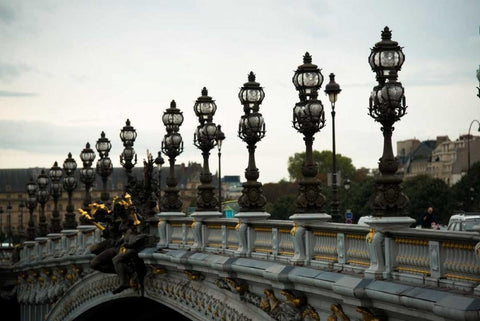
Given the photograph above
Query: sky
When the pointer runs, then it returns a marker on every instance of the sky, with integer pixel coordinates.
(72, 69)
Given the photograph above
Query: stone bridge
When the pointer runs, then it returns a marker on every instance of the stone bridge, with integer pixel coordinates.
(226, 269)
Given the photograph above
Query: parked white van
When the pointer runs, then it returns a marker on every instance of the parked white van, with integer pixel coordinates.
(464, 221)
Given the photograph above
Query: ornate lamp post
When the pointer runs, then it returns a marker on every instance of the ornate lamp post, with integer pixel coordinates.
(220, 138)
(468, 141)
(251, 130)
(42, 197)
(104, 164)
(159, 161)
(69, 184)
(87, 173)
(332, 89)
(387, 106)
(308, 119)
(128, 134)
(56, 174)
(31, 205)
(172, 146)
(204, 139)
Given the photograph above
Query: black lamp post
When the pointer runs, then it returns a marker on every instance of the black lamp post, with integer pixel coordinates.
(251, 130)
(159, 161)
(478, 77)
(55, 174)
(172, 146)
(21, 230)
(308, 119)
(332, 89)
(346, 186)
(104, 164)
(220, 138)
(31, 205)
(468, 141)
(387, 106)
(69, 184)
(87, 174)
(128, 158)
(1, 220)
(42, 196)
(204, 139)
(9, 223)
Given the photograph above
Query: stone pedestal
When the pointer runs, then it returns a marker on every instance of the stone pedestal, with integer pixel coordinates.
(245, 242)
(376, 242)
(298, 233)
(163, 236)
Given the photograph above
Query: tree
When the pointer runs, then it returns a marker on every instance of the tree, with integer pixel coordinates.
(359, 197)
(282, 208)
(425, 191)
(324, 161)
(466, 192)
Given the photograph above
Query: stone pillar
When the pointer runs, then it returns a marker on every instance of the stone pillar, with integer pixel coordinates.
(299, 235)
(199, 237)
(245, 242)
(163, 233)
(375, 239)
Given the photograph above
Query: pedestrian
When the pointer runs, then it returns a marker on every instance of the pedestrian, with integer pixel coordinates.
(429, 220)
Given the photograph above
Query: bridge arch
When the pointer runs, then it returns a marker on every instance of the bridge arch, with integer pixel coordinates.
(172, 294)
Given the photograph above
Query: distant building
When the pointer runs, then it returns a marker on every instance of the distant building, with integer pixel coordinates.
(440, 158)
(13, 191)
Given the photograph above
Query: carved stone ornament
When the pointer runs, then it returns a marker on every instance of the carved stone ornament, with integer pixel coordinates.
(337, 313)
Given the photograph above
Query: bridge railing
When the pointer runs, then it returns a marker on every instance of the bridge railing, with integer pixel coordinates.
(430, 257)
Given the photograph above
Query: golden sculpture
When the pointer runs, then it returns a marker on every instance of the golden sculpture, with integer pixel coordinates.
(240, 287)
(88, 217)
(293, 299)
(293, 231)
(237, 227)
(194, 276)
(370, 235)
(337, 313)
(368, 315)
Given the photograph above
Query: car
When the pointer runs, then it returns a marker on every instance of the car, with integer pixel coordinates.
(464, 221)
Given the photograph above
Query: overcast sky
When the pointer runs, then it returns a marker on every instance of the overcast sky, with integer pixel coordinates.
(70, 69)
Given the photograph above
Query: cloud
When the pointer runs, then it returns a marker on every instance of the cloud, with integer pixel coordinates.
(5, 93)
(7, 14)
(9, 72)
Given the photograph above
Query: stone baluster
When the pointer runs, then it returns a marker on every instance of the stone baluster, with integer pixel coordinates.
(87, 238)
(71, 241)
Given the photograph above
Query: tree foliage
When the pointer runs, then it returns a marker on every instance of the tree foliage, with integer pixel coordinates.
(324, 161)
(425, 191)
(467, 191)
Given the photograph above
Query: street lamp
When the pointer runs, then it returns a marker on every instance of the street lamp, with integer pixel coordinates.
(1, 221)
(87, 174)
(31, 205)
(9, 223)
(42, 197)
(204, 139)
(128, 134)
(308, 119)
(69, 184)
(159, 161)
(104, 164)
(220, 138)
(55, 174)
(21, 231)
(172, 146)
(468, 142)
(387, 106)
(251, 130)
(332, 89)
(346, 186)
(478, 77)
